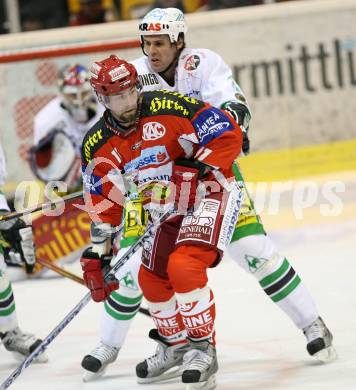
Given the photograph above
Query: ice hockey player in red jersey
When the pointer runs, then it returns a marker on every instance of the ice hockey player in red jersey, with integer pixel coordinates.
(165, 148)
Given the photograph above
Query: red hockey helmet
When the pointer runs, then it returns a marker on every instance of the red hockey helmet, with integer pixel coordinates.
(112, 75)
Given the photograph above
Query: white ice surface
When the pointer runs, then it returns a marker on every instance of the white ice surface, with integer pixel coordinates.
(258, 346)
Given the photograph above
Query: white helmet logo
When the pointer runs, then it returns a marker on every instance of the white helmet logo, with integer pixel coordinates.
(153, 131)
(119, 73)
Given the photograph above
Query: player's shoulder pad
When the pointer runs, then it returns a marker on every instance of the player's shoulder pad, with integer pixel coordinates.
(52, 112)
(197, 60)
(165, 102)
(96, 136)
(53, 105)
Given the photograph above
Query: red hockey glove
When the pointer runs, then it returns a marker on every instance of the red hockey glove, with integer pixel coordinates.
(94, 268)
(185, 177)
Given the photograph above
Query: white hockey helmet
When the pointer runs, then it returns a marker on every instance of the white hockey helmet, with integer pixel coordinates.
(170, 21)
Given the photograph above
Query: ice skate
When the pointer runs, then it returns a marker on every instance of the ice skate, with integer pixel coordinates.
(320, 340)
(165, 364)
(22, 344)
(96, 363)
(200, 365)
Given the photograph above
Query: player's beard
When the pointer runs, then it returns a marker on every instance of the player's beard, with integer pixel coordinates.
(127, 118)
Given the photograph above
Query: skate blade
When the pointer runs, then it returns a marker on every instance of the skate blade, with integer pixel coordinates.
(89, 376)
(210, 384)
(43, 358)
(174, 372)
(326, 355)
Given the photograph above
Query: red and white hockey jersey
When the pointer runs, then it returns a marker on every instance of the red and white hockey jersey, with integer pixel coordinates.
(171, 126)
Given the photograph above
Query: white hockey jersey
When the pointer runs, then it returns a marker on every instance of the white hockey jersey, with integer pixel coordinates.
(54, 116)
(3, 202)
(201, 73)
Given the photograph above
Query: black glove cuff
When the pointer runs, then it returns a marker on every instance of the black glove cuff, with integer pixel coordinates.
(105, 259)
(199, 166)
(240, 112)
(10, 233)
(245, 143)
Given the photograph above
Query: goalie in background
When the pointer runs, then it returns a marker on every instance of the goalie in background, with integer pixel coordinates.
(60, 126)
(59, 129)
(17, 250)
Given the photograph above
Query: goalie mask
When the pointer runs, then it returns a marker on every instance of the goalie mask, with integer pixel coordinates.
(75, 88)
(116, 84)
(55, 159)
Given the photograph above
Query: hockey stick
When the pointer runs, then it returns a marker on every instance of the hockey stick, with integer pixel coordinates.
(60, 271)
(70, 275)
(79, 306)
(43, 207)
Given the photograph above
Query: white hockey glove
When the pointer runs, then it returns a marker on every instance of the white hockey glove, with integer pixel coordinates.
(17, 240)
(55, 158)
(241, 114)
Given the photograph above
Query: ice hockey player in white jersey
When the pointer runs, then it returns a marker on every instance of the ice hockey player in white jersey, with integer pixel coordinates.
(198, 73)
(202, 74)
(60, 126)
(16, 249)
